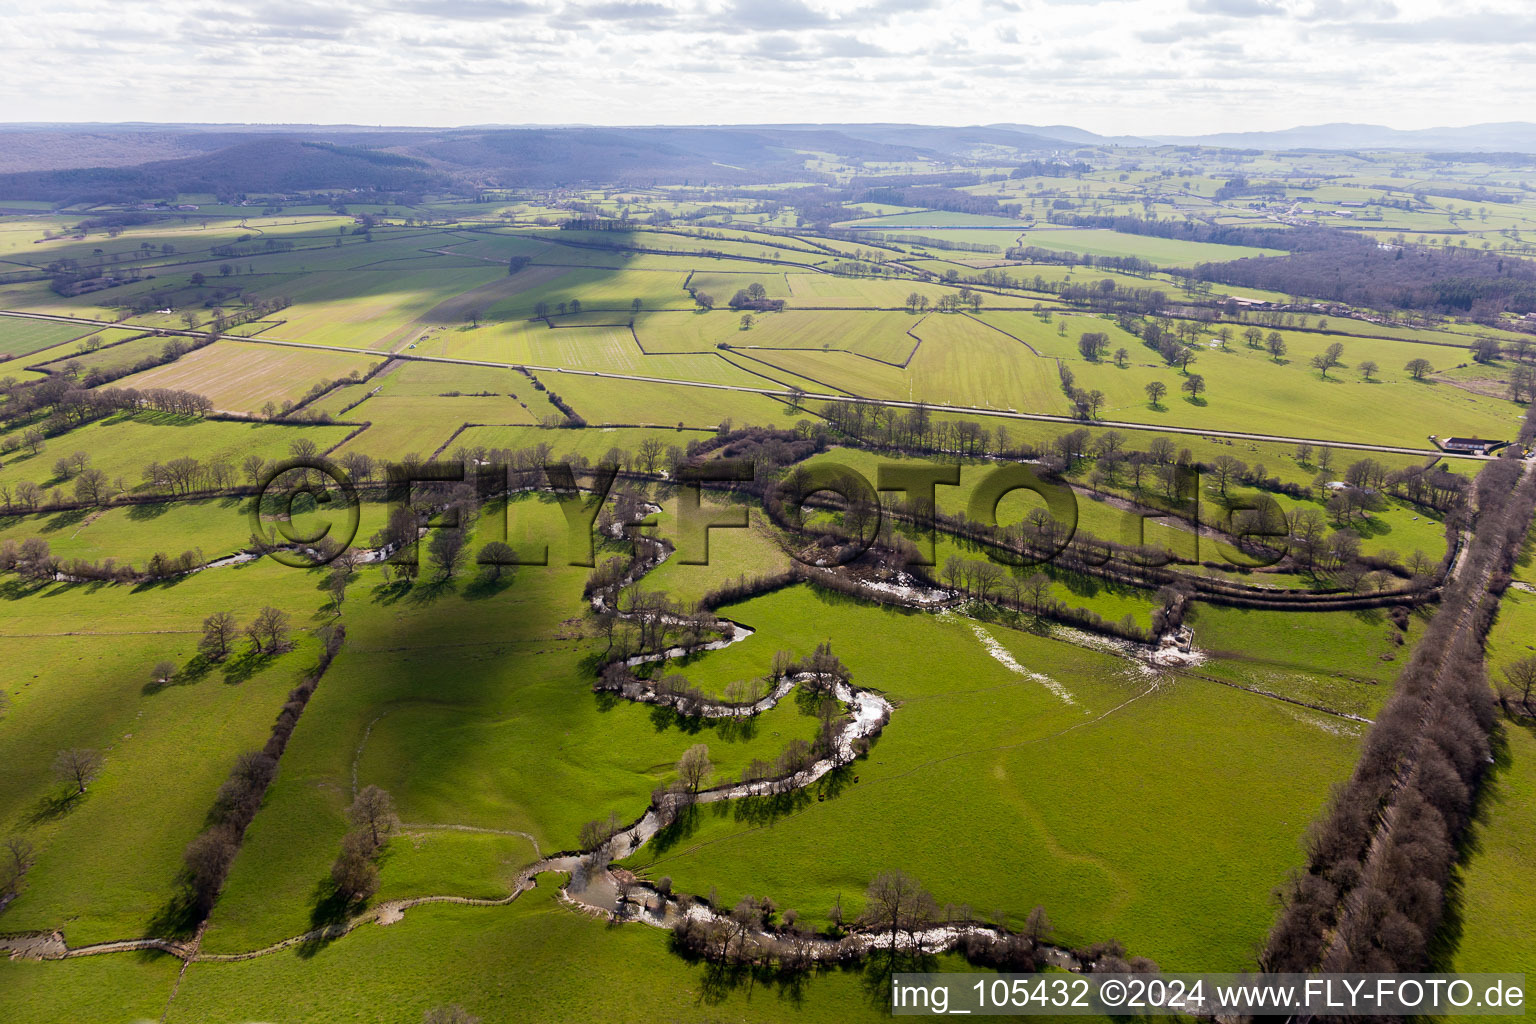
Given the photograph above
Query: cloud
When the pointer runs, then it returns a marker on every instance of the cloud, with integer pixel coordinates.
(851, 46)
(1341, 10)
(467, 10)
(775, 15)
(796, 15)
(779, 47)
(1474, 28)
(621, 12)
(1110, 65)
(1174, 33)
(1235, 8)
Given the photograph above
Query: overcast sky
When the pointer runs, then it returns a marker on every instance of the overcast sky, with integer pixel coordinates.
(1113, 66)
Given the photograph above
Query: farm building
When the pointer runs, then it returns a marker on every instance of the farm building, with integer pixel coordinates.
(1472, 445)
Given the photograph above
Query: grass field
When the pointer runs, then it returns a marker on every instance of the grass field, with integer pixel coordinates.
(1245, 387)
(116, 358)
(591, 444)
(433, 694)
(1057, 795)
(880, 336)
(76, 682)
(1162, 251)
(73, 348)
(121, 446)
(603, 401)
(498, 963)
(1496, 889)
(402, 425)
(19, 337)
(216, 527)
(1025, 764)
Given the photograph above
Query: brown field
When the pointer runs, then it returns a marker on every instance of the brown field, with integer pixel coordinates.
(457, 309)
(239, 377)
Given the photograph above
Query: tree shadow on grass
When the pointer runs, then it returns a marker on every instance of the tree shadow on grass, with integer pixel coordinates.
(664, 718)
(178, 918)
(327, 917)
(64, 520)
(149, 510)
(246, 664)
(485, 585)
(765, 809)
(428, 592)
(883, 964)
(736, 730)
(18, 589)
(1371, 616)
(52, 806)
(838, 779)
(1490, 793)
(162, 584)
(683, 825)
(195, 671)
(391, 591)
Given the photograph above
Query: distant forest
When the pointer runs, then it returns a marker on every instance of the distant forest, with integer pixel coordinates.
(1289, 239)
(1359, 272)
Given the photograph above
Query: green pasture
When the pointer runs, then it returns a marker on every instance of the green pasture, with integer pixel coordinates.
(88, 990)
(1495, 890)
(108, 861)
(401, 425)
(499, 962)
(1068, 806)
(20, 336)
(1162, 251)
(121, 446)
(592, 444)
(601, 401)
(472, 705)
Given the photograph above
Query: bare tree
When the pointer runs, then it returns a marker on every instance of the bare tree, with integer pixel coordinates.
(693, 768)
(353, 874)
(1521, 688)
(1419, 368)
(1155, 391)
(269, 630)
(1036, 588)
(1328, 358)
(163, 671)
(219, 632)
(77, 766)
(15, 860)
(498, 557)
(446, 550)
(649, 453)
(92, 487)
(336, 584)
(373, 814)
(598, 831)
(896, 903)
(1226, 468)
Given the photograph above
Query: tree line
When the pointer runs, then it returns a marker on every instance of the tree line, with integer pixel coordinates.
(1374, 893)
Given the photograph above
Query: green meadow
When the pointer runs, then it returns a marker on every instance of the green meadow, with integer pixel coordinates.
(1025, 764)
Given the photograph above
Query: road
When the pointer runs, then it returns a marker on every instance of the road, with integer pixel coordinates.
(967, 410)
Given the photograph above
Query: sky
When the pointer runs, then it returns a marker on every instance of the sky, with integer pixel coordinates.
(1111, 66)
